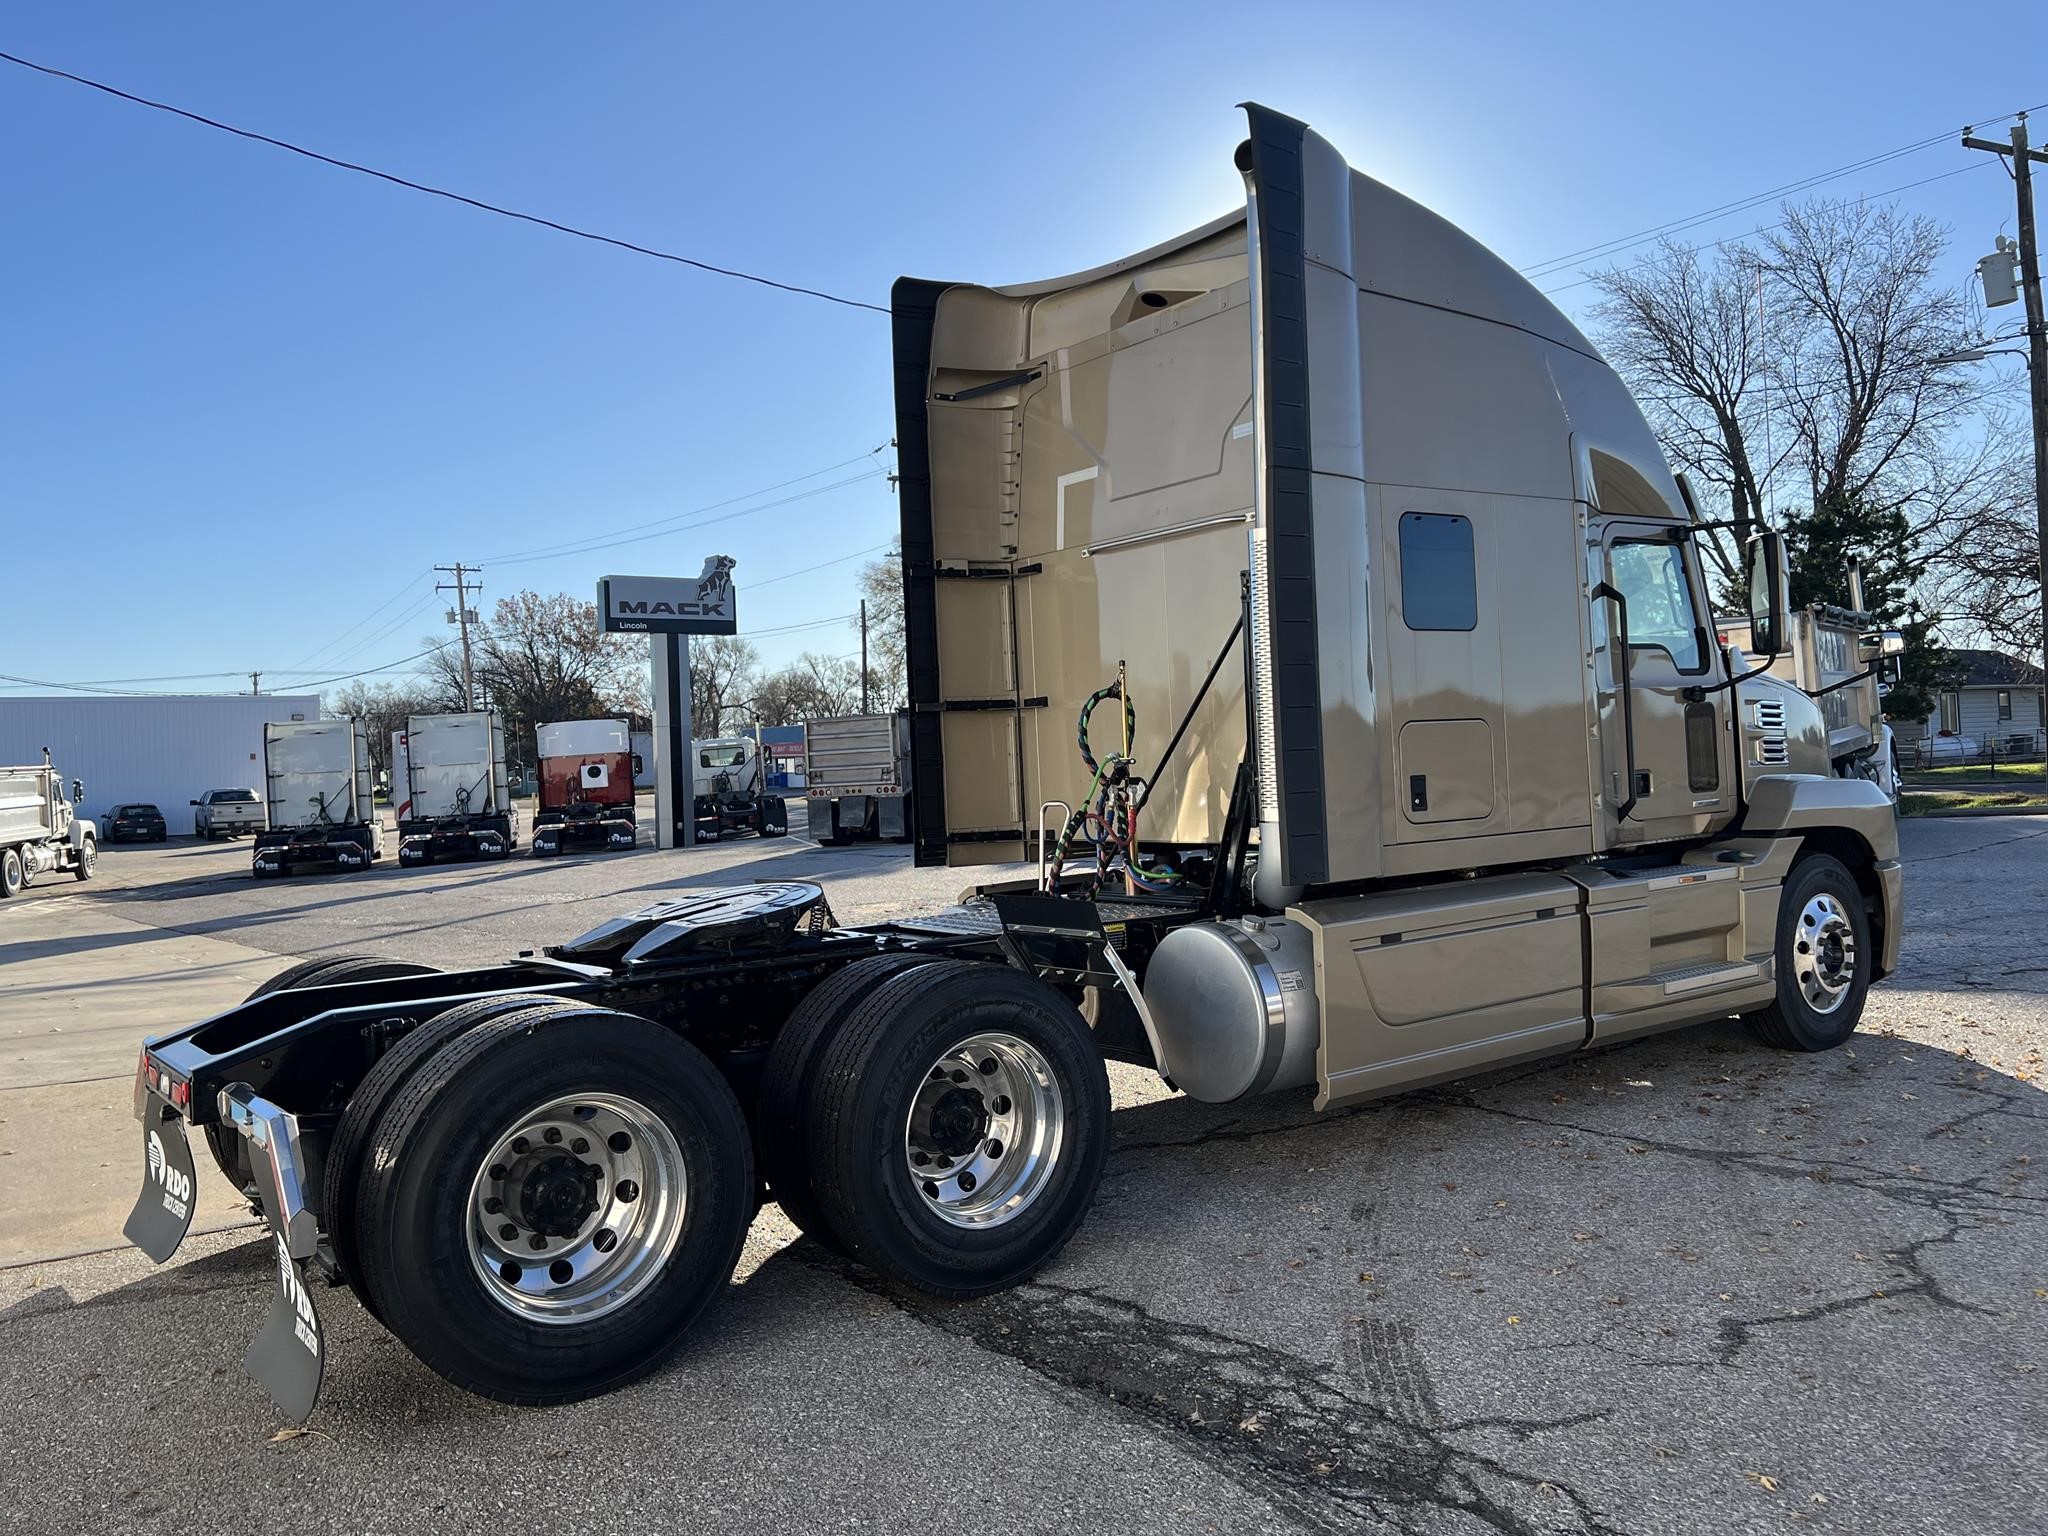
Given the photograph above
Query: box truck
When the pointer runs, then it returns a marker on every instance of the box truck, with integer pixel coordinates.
(1309, 599)
(41, 831)
(586, 787)
(458, 801)
(319, 799)
(857, 777)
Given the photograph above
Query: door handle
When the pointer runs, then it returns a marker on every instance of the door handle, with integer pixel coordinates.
(1625, 671)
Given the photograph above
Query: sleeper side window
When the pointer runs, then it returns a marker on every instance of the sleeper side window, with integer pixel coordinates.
(1439, 582)
(1651, 575)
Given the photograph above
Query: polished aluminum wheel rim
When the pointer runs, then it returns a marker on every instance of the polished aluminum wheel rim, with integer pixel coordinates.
(1824, 953)
(577, 1208)
(985, 1131)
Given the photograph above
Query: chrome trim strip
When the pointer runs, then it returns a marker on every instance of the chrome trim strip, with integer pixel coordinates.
(1125, 541)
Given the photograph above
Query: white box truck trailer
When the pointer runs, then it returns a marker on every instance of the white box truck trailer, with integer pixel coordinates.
(319, 799)
(857, 777)
(460, 803)
(1423, 763)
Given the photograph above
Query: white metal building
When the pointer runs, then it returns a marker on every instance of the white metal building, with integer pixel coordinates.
(168, 750)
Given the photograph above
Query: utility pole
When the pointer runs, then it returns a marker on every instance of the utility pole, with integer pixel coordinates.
(863, 655)
(462, 587)
(2022, 168)
(255, 683)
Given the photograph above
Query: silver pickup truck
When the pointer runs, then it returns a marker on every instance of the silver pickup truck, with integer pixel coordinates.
(227, 813)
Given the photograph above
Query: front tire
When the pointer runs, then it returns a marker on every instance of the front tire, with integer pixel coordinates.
(13, 873)
(88, 860)
(1823, 954)
(474, 1162)
(962, 1121)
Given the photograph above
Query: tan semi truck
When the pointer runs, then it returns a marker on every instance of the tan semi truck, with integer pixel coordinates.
(1309, 599)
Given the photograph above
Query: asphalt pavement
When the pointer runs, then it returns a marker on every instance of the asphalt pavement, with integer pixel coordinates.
(1683, 1285)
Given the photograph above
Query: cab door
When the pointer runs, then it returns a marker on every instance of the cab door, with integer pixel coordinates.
(1666, 755)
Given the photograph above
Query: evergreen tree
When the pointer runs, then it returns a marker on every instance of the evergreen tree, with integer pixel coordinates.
(1818, 547)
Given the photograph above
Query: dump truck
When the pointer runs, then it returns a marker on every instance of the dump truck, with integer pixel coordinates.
(319, 807)
(1845, 660)
(458, 799)
(1304, 625)
(730, 791)
(585, 787)
(856, 777)
(41, 831)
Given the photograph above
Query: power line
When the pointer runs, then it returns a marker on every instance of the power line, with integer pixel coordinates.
(453, 197)
(584, 544)
(872, 549)
(1764, 229)
(359, 623)
(1554, 264)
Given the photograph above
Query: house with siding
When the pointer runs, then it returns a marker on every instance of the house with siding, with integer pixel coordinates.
(1997, 700)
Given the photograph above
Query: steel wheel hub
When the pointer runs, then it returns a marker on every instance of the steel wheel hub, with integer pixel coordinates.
(985, 1131)
(576, 1208)
(1824, 953)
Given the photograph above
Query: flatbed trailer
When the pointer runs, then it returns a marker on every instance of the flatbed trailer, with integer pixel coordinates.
(1423, 766)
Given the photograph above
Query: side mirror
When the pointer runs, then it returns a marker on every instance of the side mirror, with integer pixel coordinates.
(77, 791)
(1766, 561)
(191, 802)
(1879, 644)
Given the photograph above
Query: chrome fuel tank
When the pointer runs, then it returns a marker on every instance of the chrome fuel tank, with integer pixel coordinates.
(1235, 1007)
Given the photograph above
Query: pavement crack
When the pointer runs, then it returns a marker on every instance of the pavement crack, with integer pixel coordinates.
(1303, 1434)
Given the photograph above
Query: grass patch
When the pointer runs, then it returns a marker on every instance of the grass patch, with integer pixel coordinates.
(1974, 773)
(1911, 804)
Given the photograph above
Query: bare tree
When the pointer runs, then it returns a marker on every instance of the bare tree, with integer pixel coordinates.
(723, 671)
(881, 585)
(541, 658)
(1689, 336)
(382, 708)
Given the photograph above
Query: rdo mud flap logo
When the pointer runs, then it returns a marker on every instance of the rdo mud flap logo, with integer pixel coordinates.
(287, 1356)
(174, 1182)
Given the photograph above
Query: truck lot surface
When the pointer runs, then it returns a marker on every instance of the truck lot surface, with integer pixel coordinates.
(1685, 1285)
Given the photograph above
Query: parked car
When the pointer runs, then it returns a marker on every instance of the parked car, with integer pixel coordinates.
(134, 823)
(227, 813)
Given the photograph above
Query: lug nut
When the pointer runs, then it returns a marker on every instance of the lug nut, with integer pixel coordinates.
(497, 1171)
(493, 1205)
(551, 1135)
(579, 1146)
(944, 1161)
(918, 1159)
(521, 1145)
(536, 1242)
(508, 1231)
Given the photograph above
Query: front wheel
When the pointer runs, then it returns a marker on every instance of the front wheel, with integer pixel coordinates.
(88, 860)
(1823, 955)
(13, 872)
(552, 1200)
(962, 1123)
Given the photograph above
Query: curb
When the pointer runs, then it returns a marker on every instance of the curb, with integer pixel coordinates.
(1963, 812)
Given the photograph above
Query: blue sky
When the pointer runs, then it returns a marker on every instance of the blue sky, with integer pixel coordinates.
(251, 398)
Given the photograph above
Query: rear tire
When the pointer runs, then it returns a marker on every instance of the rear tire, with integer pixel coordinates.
(784, 1114)
(969, 1066)
(366, 1106)
(225, 1143)
(419, 1216)
(1823, 953)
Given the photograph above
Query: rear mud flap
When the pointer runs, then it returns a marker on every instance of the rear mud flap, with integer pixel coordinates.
(163, 1211)
(289, 1356)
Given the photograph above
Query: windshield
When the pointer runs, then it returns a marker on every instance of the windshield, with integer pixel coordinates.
(722, 757)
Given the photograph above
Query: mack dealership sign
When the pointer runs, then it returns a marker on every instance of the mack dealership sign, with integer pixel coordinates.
(705, 604)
